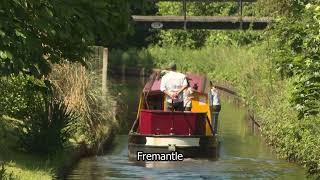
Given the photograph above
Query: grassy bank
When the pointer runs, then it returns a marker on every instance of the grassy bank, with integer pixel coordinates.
(37, 143)
(252, 73)
(22, 165)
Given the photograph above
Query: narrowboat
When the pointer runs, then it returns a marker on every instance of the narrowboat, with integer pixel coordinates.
(190, 133)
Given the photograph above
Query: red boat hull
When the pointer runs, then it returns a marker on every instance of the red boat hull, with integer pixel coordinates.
(153, 122)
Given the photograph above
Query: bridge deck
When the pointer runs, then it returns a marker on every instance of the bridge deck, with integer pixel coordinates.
(204, 22)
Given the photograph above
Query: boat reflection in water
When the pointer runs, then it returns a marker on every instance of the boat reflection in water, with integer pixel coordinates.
(189, 133)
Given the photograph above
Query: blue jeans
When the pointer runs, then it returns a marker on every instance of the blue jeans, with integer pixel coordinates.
(215, 121)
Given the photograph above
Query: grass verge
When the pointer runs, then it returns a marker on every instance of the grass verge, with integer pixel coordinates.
(21, 165)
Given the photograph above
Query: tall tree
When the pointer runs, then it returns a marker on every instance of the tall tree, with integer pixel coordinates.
(37, 33)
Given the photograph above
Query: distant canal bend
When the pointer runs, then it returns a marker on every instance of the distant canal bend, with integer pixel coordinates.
(243, 154)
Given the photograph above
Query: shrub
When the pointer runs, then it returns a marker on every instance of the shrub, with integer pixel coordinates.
(40, 119)
(296, 36)
(47, 130)
(19, 95)
(81, 90)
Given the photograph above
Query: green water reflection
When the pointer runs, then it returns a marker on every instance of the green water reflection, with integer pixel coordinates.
(243, 153)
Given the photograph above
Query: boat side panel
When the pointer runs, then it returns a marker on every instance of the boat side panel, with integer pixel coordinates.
(200, 103)
(178, 123)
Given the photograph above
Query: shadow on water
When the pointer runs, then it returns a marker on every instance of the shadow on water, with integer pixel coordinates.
(243, 154)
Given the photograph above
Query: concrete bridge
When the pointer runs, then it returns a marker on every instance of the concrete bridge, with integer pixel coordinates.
(203, 22)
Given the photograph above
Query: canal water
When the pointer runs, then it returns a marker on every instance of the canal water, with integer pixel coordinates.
(243, 153)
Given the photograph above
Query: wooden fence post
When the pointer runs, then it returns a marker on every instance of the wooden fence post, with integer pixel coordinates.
(104, 70)
(98, 64)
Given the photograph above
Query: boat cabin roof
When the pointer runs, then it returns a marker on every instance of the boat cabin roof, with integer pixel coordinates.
(199, 83)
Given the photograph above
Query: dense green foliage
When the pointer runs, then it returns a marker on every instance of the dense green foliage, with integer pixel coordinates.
(140, 36)
(20, 95)
(295, 52)
(34, 34)
(39, 120)
(297, 40)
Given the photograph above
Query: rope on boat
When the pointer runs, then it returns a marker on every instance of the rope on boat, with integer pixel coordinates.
(138, 114)
(210, 125)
